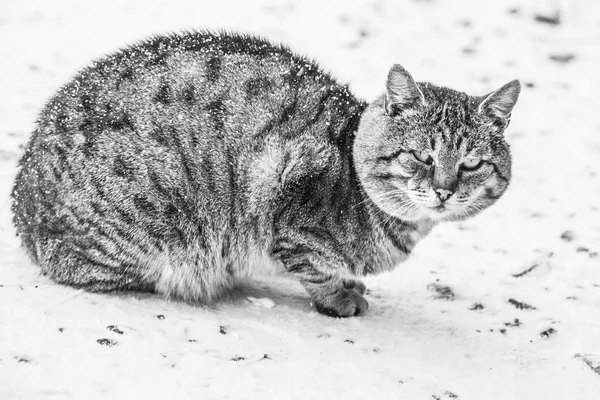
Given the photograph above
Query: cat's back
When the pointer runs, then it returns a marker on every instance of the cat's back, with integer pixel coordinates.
(179, 108)
(209, 97)
(208, 81)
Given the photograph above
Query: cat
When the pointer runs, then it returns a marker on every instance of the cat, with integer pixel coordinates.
(171, 165)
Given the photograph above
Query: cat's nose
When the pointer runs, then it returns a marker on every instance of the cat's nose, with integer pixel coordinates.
(443, 194)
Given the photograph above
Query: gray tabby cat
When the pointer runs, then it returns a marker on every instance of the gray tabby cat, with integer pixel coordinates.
(173, 165)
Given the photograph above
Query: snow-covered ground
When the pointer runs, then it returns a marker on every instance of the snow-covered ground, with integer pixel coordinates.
(452, 322)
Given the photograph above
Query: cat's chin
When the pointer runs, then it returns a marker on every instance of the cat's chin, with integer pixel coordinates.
(441, 216)
(454, 215)
(446, 214)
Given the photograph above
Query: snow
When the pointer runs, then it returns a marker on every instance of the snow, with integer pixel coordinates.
(262, 302)
(441, 325)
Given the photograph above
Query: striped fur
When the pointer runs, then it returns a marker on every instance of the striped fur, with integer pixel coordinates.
(180, 163)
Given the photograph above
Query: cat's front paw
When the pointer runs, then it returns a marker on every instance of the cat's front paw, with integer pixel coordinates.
(356, 285)
(347, 301)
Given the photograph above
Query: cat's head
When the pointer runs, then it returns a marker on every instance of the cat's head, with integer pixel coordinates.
(423, 151)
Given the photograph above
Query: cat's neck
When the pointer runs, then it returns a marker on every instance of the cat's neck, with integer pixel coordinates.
(400, 233)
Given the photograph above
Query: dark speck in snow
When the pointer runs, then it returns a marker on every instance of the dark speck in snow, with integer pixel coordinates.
(553, 19)
(238, 358)
(520, 305)
(562, 58)
(589, 361)
(223, 330)
(442, 292)
(349, 341)
(115, 329)
(476, 306)
(515, 323)
(160, 316)
(106, 342)
(548, 332)
(567, 236)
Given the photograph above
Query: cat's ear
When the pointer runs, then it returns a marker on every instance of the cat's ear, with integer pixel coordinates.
(402, 91)
(499, 104)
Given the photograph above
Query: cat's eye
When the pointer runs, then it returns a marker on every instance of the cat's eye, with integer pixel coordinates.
(471, 164)
(422, 156)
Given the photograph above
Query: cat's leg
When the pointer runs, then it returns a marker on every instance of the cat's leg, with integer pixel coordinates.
(85, 268)
(325, 273)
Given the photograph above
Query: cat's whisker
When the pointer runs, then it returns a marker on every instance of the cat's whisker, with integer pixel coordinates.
(405, 208)
(473, 208)
(375, 199)
(394, 215)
